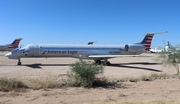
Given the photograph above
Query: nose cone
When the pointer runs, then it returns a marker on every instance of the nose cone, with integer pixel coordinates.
(8, 54)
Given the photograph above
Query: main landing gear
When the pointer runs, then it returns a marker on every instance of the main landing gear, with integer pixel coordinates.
(19, 62)
(105, 62)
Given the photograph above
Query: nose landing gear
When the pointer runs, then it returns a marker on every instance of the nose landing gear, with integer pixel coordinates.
(19, 62)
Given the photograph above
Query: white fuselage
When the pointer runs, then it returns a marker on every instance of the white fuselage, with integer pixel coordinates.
(6, 47)
(77, 51)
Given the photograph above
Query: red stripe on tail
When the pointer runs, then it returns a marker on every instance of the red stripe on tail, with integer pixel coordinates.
(147, 41)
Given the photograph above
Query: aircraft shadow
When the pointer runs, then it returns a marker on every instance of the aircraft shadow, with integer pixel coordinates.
(124, 65)
(141, 63)
(39, 65)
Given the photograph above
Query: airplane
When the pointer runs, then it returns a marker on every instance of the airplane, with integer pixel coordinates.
(172, 48)
(173, 51)
(167, 48)
(93, 52)
(12, 46)
(155, 50)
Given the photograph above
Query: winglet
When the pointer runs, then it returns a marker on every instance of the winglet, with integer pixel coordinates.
(148, 39)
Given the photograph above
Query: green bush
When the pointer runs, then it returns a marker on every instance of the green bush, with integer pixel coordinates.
(11, 85)
(83, 73)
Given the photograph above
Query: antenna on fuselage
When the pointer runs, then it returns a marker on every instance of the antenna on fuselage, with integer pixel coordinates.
(91, 43)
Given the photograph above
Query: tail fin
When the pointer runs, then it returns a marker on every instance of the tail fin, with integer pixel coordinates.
(15, 43)
(169, 45)
(148, 39)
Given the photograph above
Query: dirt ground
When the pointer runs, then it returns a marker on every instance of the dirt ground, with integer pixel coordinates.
(122, 67)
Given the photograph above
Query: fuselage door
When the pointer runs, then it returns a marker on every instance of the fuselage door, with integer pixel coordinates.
(36, 50)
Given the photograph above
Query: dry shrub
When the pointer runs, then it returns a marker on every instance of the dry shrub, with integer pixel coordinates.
(44, 84)
(11, 84)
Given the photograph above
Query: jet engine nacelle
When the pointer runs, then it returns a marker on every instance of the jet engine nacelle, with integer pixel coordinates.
(126, 47)
(131, 48)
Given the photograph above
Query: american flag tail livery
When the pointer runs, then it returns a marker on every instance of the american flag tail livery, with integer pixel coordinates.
(15, 43)
(148, 39)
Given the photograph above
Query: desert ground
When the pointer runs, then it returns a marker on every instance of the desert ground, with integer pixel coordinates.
(56, 69)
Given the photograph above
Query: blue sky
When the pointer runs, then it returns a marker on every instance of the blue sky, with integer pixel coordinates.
(81, 21)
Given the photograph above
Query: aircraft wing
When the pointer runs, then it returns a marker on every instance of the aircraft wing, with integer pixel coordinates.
(108, 56)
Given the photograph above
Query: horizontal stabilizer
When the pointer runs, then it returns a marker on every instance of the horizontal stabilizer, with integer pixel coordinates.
(148, 39)
(156, 33)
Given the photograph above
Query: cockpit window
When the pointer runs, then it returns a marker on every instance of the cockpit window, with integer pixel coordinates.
(27, 48)
(21, 49)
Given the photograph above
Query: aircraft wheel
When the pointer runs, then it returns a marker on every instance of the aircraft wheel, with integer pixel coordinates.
(19, 63)
(98, 62)
(108, 63)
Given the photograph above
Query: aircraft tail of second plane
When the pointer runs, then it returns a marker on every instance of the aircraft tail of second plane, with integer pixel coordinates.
(15, 43)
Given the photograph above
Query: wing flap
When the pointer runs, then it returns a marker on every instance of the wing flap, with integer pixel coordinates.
(109, 56)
